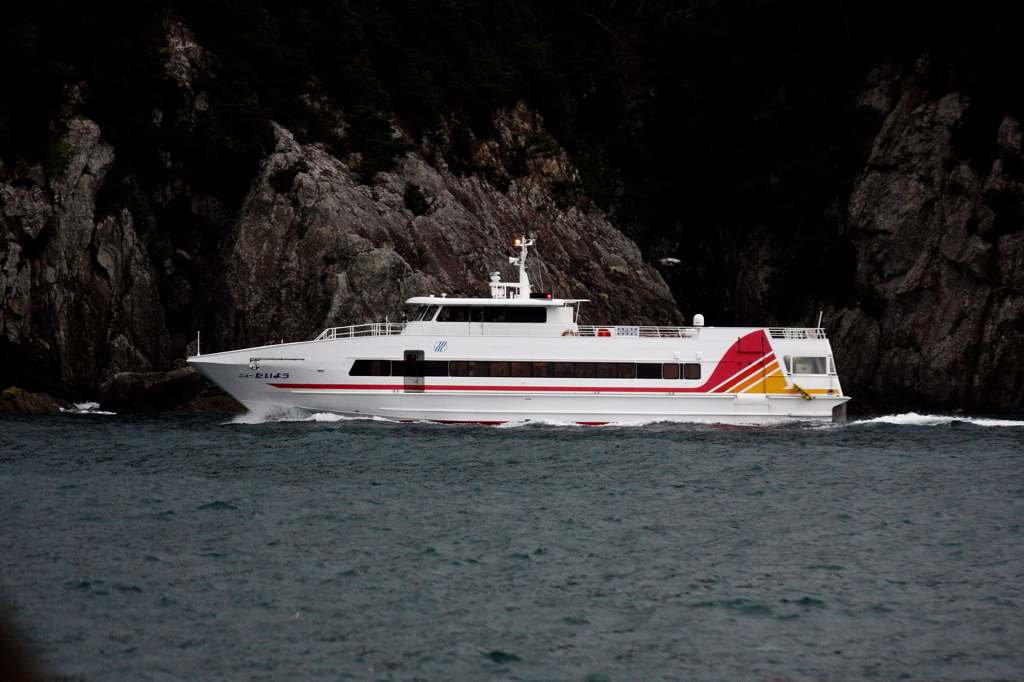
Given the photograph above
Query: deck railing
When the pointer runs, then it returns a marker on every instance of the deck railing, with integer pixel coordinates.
(500, 329)
(374, 329)
(797, 333)
(647, 332)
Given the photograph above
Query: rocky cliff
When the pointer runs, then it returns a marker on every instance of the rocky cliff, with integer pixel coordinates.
(88, 292)
(78, 292)
(939, 235)
(313, 247)
(104, 280)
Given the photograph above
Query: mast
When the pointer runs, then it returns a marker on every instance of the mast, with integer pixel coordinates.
(500, 289)
(524, 279)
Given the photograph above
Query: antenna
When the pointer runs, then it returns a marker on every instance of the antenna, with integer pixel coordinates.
(524, 280)
(198, 353)
(820, 313)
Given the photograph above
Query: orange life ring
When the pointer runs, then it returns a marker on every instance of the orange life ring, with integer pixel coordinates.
(569, 332)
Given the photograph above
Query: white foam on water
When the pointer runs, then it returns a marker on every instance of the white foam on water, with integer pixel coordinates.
(637, 422)
(915, 419)
(332, 417)
(293, 414)
(86, 408)
(533, 422)
(325, 417)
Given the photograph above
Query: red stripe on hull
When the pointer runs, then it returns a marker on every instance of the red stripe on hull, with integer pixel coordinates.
(745, 374)
(549, 389)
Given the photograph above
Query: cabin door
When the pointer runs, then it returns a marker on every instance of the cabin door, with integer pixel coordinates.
(414, 373)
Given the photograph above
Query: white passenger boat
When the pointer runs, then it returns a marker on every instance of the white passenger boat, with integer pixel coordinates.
(521, 355)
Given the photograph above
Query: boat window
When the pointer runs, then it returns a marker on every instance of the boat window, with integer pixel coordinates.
(429, 315)
(418, 315)
(453, 313)
(478, 369)
(562, 370)
(521, 369)
(831, 366)
(526, 314)
(648, 370)
(805, 365)
(493, 314)
(510, 314)
(370, 368)
(626, 370)
(435, 368)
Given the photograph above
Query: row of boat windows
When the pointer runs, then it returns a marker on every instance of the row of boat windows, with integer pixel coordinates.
(539, 370)
(465, 313)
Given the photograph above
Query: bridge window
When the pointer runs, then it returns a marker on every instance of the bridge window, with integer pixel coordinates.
(515, 314)
(453, 313)
(806, 365)
(425, 313)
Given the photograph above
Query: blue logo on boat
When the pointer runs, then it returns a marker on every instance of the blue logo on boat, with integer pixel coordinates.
(440, 346)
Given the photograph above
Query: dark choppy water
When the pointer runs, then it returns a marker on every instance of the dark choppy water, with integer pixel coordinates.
(180, 548)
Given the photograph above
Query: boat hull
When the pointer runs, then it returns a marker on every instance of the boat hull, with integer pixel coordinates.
(440, 406)
(316, 377)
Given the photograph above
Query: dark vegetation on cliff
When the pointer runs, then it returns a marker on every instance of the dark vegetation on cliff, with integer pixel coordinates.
(725, 134)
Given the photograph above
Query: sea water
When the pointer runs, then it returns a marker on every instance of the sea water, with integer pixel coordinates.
(197, 547)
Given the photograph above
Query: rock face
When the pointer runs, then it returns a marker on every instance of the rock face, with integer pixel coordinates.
(81, 310)
(87, 310)
(182, 389)
(314, 248)
(78, 296)
(940, 243)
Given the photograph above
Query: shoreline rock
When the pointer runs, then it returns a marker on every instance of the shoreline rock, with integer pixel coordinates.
(180, 390)
(15, 400)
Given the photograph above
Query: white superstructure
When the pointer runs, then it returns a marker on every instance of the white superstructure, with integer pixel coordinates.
(521, 355)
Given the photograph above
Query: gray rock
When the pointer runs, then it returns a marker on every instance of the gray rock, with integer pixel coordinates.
(178, 390)
(325, 250)
(78, 296)
(947, 259)
(14, 400)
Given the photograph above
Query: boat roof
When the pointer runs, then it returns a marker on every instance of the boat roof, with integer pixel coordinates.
(438, 300)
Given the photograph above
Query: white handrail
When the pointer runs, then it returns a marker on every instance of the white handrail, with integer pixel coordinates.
(503, 329)
(373, 329)
(643, 331)
(797, 333)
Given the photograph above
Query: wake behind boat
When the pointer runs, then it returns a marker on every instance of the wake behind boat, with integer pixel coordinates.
(521, 355)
